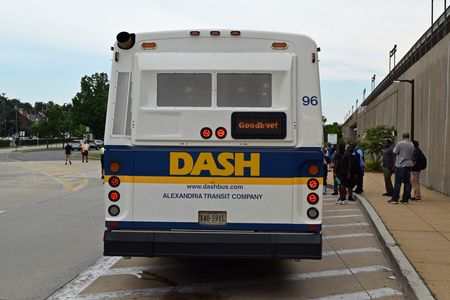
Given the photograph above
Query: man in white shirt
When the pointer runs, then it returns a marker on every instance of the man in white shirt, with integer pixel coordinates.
(404, 151)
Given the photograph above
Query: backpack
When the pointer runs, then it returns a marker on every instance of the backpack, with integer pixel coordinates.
(422, 164)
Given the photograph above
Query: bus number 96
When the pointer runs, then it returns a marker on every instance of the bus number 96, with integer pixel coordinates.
(310, 100)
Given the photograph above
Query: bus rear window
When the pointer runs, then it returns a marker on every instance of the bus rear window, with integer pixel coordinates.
(244, 90)
(184, 89)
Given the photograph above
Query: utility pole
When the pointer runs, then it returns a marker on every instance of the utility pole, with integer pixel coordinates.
(16, 141)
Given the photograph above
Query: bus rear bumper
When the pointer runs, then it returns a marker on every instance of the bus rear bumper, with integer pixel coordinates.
(207, 244)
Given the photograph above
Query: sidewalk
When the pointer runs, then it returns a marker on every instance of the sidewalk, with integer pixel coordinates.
(420, 229)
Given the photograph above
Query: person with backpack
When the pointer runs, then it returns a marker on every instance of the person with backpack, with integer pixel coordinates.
(346, 172)
(420, 163)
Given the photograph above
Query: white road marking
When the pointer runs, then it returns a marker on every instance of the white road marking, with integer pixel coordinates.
(341, 216)
(85, 279)
(371, 294)
(350, 251)
(339, 210)
(344, 236)
(232, 283)
(330, 203)
(2, 211)
(137, 270)
(344, 225)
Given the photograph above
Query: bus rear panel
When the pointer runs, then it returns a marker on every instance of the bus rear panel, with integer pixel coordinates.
(213, 146)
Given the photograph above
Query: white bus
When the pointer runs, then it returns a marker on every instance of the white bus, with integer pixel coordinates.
(213, 146)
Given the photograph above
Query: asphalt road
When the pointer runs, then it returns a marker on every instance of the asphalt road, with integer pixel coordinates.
(354, 266)
(51, 220)
(51, 217)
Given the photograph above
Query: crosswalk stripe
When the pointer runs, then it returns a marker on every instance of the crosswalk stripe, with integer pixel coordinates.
(341, 216)
(350, 251)
(339, 210)
(345, 236)
(371, 294)
(232, 283)
(344, 225)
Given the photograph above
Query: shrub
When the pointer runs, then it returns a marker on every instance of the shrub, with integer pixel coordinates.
(373, 166)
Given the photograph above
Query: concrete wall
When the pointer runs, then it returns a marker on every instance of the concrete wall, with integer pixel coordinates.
(431, 113)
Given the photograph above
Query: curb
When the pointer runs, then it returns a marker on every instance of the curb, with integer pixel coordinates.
(412, 279)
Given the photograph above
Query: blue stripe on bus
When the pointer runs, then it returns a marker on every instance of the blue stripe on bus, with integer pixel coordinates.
(229, 226)
(155, 161)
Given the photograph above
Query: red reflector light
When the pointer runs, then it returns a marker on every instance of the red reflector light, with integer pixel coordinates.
(114, 196)
(313, 184)
(313, 57)
(206, 133)
(112, 224)
(312, 198)
(116, 56)
(194, 33)
(215, 33)
(114, 167)
(114, 181)
(312, 228)
(221, 133)
(235, 33)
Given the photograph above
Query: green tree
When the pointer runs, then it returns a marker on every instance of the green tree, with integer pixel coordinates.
(89, 105)
(373, 142)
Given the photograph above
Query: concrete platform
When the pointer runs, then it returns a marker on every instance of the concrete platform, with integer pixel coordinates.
(417, 234)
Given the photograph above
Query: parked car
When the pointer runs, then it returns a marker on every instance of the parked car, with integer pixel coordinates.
(76, 145)
(99, 143)
(95, 144)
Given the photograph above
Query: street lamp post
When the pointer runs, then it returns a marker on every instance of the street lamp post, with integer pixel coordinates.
(410, 81)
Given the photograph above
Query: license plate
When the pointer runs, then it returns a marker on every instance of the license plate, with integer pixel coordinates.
(212, 217)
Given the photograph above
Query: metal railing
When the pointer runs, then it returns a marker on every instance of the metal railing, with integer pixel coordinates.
(440, 28)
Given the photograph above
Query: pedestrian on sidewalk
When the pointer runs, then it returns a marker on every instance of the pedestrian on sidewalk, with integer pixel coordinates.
(85, 151)
(346, 172)
(418, 165)
(325, 162)
(335, 159)
(360, 174)
(68, 150)
(404, 151)
(388, 167)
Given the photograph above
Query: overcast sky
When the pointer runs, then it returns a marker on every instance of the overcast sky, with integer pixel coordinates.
(48, 45)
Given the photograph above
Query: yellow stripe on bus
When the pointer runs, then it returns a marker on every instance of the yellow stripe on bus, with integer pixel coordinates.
(215, 180)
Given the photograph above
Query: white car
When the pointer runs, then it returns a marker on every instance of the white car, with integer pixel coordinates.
(76, 145)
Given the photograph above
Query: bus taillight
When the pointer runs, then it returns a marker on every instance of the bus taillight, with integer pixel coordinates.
(312, 213)
(313, 169)
(235, 33)
(113, 210)
(114, 196)
(215, 33)
(114, 181)
(312, 198)
(114, 167)
(221, 133)
(195, 33)
(206, 133)
(313, 184)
